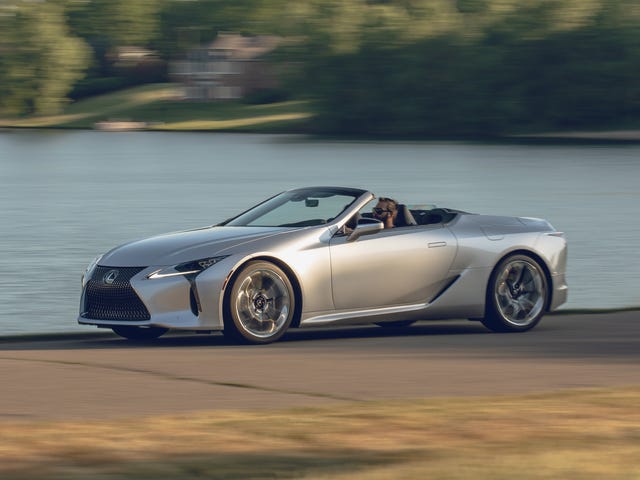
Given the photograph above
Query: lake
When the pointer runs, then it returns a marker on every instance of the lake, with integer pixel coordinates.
(68, 196)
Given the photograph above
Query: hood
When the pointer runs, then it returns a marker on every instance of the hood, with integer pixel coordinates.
(178, 247)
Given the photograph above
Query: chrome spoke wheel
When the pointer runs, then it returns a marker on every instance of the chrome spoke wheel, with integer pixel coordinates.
(520, 294)
(517, 295)
(262, 303)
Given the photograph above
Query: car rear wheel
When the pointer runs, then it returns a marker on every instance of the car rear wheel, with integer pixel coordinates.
(517, 295)
(261, 305)
(140, 333)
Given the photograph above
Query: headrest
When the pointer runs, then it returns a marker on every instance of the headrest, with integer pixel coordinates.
(404, 218)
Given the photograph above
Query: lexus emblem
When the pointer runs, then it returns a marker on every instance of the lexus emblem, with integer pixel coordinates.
(110, 277)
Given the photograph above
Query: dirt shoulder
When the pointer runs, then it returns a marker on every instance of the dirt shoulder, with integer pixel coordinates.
(104, 376)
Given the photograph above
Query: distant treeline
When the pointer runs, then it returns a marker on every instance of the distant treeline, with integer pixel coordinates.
(394, 67)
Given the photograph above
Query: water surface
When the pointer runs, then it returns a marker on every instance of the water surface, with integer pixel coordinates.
(66, 197)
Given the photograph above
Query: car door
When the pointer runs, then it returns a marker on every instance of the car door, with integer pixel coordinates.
(399, 266)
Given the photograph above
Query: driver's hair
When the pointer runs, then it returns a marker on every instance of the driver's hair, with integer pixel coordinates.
(393, 205)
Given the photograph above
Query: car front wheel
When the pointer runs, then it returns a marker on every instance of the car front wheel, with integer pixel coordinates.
(261, 305)
(517, 295)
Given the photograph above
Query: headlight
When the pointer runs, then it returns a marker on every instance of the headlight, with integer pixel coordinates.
(89, 271)
(187, 269)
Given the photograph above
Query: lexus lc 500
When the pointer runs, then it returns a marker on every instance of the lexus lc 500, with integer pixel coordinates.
(316, 256)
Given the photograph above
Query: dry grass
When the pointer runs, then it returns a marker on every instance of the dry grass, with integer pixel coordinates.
(591, 434)
(194, 125)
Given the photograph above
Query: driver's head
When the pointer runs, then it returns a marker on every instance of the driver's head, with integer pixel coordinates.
(386, 210)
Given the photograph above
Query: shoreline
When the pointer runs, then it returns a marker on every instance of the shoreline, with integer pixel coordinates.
(628, 136)
(618, 135)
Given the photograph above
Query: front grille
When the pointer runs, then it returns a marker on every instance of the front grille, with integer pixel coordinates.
(109, 295)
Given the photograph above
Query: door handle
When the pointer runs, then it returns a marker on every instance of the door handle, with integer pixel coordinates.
(437, 244)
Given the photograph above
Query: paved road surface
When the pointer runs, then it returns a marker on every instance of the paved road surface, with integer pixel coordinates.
(104, 376)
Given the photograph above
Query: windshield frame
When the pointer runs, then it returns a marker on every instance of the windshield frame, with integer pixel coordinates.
(271, 204)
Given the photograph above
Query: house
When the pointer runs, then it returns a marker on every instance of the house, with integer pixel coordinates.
(232, 66)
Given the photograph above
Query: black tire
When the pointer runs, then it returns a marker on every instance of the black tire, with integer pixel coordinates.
(397, 324)
(261, 305)
(517, 295)
(139, 333)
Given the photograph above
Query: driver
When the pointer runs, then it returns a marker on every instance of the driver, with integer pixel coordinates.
(386, 211)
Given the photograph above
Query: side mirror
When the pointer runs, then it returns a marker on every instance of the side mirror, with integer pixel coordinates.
(368, 227)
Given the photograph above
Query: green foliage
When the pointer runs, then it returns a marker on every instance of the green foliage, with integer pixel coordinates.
(371, 67)
(115, 22)
(187, 24)
(90, 87)
(108, 24)
(40, 61)
(489, 68)
(266, 96)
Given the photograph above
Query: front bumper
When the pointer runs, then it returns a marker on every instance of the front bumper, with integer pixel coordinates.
(135, 300)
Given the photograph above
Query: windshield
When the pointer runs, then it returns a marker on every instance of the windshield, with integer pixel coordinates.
(298, 208)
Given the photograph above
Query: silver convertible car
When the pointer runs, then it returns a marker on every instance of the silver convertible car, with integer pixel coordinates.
(316, 256)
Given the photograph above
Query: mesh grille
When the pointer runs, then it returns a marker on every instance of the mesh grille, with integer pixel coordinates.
(109, 295)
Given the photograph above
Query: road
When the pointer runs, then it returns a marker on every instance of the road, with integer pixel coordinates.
(103, 376)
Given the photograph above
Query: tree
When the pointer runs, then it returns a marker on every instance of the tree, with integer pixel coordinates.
(187, 24)
(39, 60)
(118, 22)
(490, 67)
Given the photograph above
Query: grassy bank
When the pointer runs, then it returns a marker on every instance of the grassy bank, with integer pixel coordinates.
(589, 434)
(160, 107)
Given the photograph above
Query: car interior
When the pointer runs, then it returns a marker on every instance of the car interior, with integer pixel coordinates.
(408, 216)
